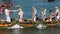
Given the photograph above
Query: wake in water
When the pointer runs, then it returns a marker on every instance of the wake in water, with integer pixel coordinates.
(16, 26)
(41, 26)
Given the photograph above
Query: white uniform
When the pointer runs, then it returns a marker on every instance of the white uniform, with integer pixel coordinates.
(43, 15)
(34, 19)
(34, 14)
(57, 11)
(21, 15)
(7, 15)
(58, 16)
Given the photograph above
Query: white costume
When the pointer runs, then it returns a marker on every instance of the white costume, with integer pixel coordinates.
(20, 15)
(34, 14)
(58, 16)
(7, 15)
(44, 14)
(57, 12)
(34, 19)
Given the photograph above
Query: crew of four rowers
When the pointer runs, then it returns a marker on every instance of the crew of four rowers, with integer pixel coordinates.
(20, 13)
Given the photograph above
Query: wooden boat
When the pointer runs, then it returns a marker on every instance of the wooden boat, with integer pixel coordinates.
(4, 26)
(27, 23)
(53, 23)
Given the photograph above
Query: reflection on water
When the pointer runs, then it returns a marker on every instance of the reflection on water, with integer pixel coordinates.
(5, 31)
(49, 30)
(16, 31)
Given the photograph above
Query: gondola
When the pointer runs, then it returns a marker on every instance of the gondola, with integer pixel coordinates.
(25, 24)
(4, 25)
(28, 24)
(53, 23)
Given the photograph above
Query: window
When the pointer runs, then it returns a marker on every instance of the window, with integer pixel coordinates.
(51, 0)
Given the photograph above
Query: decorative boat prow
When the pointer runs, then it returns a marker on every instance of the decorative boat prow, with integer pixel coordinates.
(16, 26)
(41, 26)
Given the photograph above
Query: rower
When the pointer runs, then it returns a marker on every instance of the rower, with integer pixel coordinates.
(59, 16)
(56, 10)
(57, 13)
(52, 15)
(43, 14)
(34, 14)
(20, 15)
(7, 13)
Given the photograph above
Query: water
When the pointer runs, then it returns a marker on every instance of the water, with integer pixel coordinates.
(39, 4)
(49, 30)
(27, 7)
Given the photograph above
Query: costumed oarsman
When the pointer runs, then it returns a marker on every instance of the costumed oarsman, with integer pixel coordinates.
(52, 15)
(57, 13)
(43, 14)
(20, 15)
(7, 13)
(34, 14)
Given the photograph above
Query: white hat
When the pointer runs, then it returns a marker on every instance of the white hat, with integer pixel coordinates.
(45, 9)
(20, 9)
(56, 7)
(33, 7)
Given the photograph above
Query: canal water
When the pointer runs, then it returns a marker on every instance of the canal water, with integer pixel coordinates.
(27, 9)
(49, 30)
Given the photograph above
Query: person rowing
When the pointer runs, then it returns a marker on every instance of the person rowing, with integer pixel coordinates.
(52, 15)
(56, 10)
(7, 13)
(57, 13)
(34, 14)
(20, 15)
(51, 18)
(43, 14)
